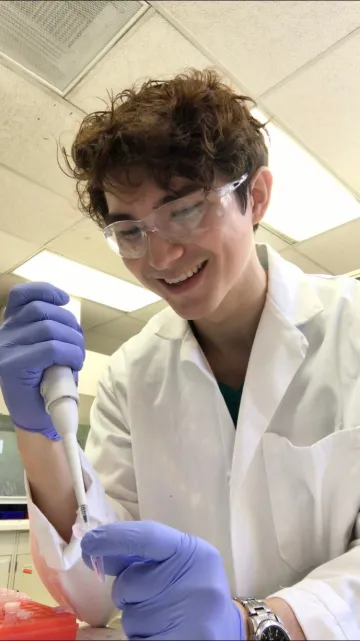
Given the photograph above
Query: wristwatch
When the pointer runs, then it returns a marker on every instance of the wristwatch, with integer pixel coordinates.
(264, 624)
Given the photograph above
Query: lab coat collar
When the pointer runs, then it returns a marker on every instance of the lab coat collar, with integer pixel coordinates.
(289, 290)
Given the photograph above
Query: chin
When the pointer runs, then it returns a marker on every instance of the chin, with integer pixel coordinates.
(193, 311)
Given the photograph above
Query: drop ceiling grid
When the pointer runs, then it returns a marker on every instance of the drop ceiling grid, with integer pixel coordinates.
(337, 250)
(101, 343)
(254, 35)
(131, 61)
(335, 23)
(32, 122)
(85, 243)
(322, 105)
(32, 212)
(31, 154)
(123, 327)
(93, 314)
(13, 251)
(305, 264)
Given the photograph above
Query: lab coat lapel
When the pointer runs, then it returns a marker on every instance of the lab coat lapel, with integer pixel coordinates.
(199, 391)
(209, 400)
(278, 351)
(277, 354)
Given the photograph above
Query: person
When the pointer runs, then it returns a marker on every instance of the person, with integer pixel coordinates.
(233, 417)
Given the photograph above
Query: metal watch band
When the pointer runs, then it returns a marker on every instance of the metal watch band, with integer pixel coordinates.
(258, 612)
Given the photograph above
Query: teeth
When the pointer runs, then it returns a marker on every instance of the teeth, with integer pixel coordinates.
(185, 276)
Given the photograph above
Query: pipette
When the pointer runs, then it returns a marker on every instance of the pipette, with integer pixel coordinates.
(61, 398)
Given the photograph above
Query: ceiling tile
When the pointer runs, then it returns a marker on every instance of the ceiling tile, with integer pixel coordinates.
(93, 314)
(307, 265)
(100, 343)
(123, 328)
(263, 42)
(148, 312)
(85, 243)
(321, 104)
(32, 121)
(151, 49)
(85, 404)
(14, 251)
(264, 235)
(7, 282)
(338, 250)
(30, 211)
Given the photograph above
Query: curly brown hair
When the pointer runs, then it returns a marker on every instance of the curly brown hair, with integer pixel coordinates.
(193, 126)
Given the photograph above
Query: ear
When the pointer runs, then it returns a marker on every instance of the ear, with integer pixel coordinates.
(260, 193)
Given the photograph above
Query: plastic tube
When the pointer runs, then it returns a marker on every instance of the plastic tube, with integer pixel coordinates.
(11, 609)
(24, 614)
(7, 598)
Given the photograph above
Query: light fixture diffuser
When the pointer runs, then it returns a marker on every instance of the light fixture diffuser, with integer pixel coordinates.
(85, 282)
(307, 200)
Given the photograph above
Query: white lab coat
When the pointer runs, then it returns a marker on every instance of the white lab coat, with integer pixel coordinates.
(279, 496)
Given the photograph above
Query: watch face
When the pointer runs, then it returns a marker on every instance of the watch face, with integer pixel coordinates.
(274, 632)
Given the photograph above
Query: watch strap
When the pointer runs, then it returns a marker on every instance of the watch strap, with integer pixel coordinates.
(258, 612)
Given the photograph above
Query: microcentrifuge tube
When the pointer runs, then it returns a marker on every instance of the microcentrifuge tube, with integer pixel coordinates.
(24, 614)
(11, 609)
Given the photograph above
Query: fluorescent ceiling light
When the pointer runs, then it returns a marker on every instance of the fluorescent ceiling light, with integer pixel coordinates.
(355, 274)
(74, 306)
(306, 200)
(85, 282)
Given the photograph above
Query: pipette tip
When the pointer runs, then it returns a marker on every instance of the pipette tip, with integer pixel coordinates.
(84, 514)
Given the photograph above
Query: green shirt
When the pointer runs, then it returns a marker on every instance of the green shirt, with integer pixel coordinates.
(232, 398)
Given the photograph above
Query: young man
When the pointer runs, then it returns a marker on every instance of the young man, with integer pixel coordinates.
(234, 416)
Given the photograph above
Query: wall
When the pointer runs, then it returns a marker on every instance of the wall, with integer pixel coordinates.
(11, 467)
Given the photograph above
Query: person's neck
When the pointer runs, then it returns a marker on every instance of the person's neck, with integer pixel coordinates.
(231, 330)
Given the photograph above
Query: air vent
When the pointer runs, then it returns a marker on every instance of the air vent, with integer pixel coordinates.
(60, 41)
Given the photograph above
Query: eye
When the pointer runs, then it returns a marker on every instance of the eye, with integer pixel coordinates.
(128, 234)
(188, 212)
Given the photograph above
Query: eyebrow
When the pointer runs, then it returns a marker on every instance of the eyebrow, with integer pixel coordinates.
(115, 216)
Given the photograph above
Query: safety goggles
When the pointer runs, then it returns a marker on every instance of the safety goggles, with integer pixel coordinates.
(177, 221)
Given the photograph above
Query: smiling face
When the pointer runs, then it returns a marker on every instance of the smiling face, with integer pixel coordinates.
(195, 277)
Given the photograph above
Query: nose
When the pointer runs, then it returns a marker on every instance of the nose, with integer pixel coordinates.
(161, 253)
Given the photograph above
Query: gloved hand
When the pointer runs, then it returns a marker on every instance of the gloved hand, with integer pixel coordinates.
(36, 333)
(169, 585)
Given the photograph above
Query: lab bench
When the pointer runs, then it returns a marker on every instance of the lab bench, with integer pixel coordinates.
(17, 571)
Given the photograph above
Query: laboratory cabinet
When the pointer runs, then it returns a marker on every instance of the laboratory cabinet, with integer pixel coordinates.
(5, 562)
(17, 570)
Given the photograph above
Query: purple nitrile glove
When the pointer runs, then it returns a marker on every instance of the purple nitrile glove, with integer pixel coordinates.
(36, 334)
(169, 585)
